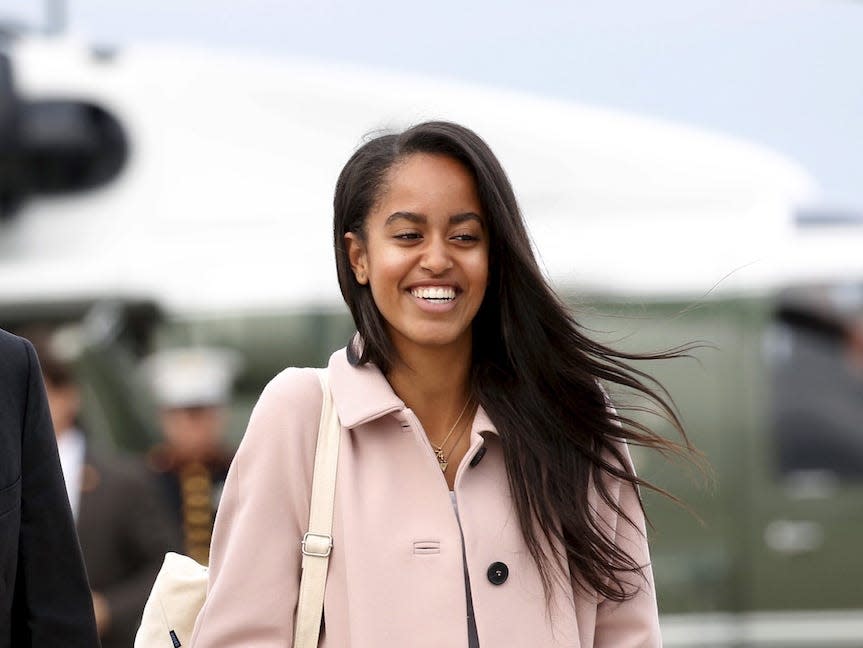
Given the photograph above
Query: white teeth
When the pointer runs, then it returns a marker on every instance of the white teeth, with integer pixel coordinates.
(435, 293)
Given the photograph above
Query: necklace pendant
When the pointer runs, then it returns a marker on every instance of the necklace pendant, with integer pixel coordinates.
(441, 459)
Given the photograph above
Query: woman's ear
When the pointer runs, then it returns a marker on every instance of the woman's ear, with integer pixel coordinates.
(357, 257)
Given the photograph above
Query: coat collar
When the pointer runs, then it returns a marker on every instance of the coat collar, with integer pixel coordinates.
(362, 394)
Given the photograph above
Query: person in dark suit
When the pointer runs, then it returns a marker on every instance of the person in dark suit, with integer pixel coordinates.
(123, 526)
(44, 597)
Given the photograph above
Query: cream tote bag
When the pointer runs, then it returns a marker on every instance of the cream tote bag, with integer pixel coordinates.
(175, 600)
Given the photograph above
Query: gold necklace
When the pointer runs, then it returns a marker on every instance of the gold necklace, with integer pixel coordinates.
(438, 449)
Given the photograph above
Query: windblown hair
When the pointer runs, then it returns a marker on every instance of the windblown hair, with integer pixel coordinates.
(534, 371)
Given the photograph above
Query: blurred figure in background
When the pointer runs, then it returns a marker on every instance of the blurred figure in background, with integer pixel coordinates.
(192, 387)
(44, 599)
(123, 525)
(818, 381)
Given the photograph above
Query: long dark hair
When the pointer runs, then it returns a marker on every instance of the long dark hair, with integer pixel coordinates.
(560, 438)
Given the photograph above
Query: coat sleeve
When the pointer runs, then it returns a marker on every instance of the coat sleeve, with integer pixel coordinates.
(633, 623)
(52, 604)
(263, 514)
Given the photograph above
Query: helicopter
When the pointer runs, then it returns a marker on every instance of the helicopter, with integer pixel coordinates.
(154, 196)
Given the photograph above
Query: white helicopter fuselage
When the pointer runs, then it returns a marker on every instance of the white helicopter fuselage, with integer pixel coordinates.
(225, 202)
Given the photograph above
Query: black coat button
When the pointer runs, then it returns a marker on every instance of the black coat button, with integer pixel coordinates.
(497, 573)
(477, 457)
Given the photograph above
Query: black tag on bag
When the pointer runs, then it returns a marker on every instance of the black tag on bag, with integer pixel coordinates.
(175, 640)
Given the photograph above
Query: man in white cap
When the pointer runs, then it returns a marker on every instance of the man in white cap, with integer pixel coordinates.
(192, 387)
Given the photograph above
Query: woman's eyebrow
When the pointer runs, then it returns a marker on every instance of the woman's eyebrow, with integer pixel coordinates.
(408, 216)
(420, 219)
(458, 219)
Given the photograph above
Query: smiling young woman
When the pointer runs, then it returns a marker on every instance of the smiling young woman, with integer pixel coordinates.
(485, 492)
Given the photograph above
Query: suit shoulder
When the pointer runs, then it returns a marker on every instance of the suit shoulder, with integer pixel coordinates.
(15, 352)
(8, 338)
(19, 374)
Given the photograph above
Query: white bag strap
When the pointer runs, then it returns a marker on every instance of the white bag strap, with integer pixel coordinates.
(318, 541)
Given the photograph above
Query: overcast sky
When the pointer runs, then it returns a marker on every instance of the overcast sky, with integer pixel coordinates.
(784, 73)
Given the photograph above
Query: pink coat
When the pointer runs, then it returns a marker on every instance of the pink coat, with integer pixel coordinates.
(396, 575)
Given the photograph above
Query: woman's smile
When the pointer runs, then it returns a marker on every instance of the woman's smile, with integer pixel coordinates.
(436, 298)
(435, 294)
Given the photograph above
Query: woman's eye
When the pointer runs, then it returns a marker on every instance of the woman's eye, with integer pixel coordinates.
(408, 236)
(465, 237)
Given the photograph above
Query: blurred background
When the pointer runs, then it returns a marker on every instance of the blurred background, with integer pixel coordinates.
(689, 171)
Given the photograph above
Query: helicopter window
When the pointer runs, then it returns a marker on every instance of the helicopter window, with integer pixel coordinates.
(815, 354)
(55, 147)
(70, 145)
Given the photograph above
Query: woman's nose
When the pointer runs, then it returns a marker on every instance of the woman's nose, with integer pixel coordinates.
(436, 257)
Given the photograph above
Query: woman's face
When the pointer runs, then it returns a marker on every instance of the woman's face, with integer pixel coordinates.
(425, 253)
